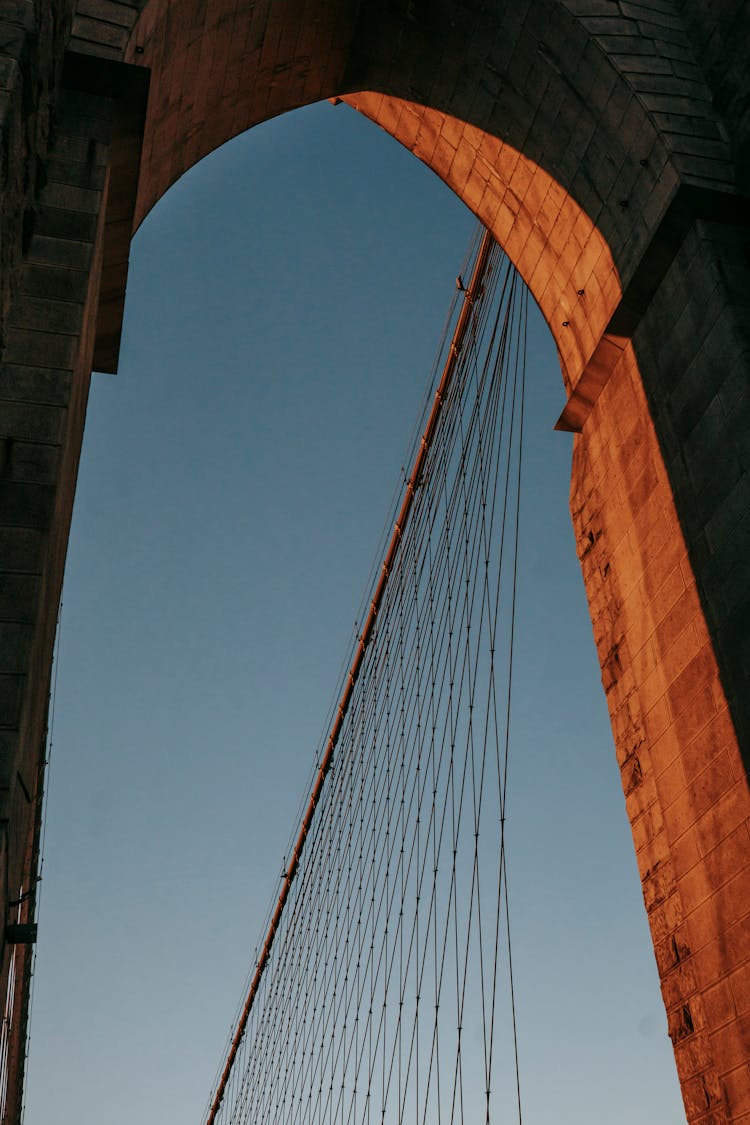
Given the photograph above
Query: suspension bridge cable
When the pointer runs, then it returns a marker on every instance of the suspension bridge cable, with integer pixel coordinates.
(377, 992)
(399, 527)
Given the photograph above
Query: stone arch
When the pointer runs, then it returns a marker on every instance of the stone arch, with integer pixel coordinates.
(586, 137)
(585, 98)
(220, 69)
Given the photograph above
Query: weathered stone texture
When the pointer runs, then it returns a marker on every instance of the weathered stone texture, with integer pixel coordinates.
(684, 780)
(32, 40)
(650, 45)
(45, 369)
(720, 33)
(103, 27)
(694, 351)
(533, 76)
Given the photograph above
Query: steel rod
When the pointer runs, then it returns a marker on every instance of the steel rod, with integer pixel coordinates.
(470, 294)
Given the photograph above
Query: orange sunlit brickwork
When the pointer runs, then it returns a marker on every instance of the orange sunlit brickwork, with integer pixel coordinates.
(683, 777)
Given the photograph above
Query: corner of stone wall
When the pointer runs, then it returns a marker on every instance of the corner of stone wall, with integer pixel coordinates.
(720, 34)
(693, 347)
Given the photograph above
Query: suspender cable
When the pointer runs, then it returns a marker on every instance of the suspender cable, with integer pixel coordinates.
(472, 291)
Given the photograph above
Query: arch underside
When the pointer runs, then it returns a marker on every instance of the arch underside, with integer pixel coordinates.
(546, 136)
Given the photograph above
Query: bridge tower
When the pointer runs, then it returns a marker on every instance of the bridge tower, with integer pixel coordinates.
(606, 145)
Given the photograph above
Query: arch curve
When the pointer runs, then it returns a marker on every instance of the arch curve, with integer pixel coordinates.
(561, 255)
(220, 68)
(534, 155)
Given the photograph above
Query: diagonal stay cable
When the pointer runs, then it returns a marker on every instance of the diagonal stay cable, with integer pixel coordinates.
(464, 320)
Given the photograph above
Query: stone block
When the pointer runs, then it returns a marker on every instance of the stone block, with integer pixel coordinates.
(719, 1003)
(703, 1097)
(11, 695)
(34, 384)
(684, 854)
(715, 737)
(18, 597)
(79, 226)
(737, 1087)
(40, 349)
(695, 713)
(704, 793)
(64, 252)
(739, 984)
(673, 950)
(21, 549)
(122, 14)
(691, 679)
(729, 1043)
(34, 462)
(25, 505)
(55, 284)
(45, 315)
(16, 639)
(727, 860)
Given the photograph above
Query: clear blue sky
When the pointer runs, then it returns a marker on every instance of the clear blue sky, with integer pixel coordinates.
(284, 304)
